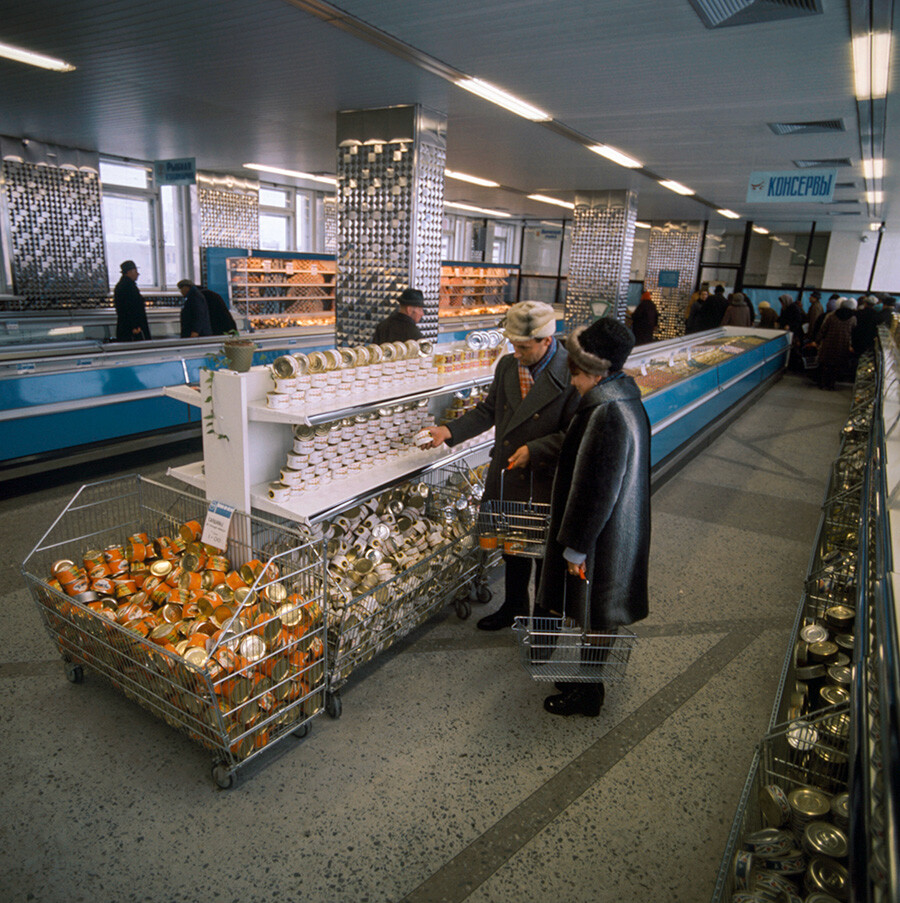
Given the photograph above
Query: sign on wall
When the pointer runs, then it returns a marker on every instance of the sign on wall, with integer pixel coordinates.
(176, 172)
(809, 186)
(668, 278)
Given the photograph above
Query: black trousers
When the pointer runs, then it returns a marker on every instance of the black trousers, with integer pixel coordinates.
(517, 578)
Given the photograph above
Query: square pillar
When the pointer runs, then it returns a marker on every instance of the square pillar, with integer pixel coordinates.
(672, 248)
(600, 259)
(390, 204)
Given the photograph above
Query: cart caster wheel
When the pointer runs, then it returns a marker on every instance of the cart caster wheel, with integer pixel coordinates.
(224, 778)
(463, 609)
(483, 594)
(302, 731)
(74, 673)
(333, 705)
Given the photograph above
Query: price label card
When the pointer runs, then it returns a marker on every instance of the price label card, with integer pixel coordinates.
(84, 362)
(217, 524)
(25, 367)
(314, 269)
(643, 369)
(289, 266)
(672, 359)
(267, 264)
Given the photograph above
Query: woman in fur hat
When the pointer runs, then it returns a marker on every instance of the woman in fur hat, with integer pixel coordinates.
(600, 507)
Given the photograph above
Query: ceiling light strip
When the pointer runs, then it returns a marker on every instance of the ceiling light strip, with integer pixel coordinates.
(617, 156)
(290, 173)
(31, 58)
(474, 180)
(471, 208)
(548, 200)
(502, 98)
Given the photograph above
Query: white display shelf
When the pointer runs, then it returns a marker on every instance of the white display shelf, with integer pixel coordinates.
(188, 394)
(314, 506)
(364, 402)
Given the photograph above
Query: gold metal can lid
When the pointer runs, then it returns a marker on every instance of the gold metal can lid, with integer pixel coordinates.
(275, 592)
(196, 656)
(61, 565)
(290, 615)
(829, 877)
(284, 367)
(190, 561)
(845, 641)
(820, 838)
(243, 595)
(253, 647)
(161, 568)
(316, 362)
(814, 633)
(840, 806)
(809, 803)
(841, 675)
(802, 736)
(840, 616)
(241, 690)
(822, 651)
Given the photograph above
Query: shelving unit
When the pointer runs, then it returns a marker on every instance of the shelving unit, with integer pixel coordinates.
(267, 290)
(468, 290)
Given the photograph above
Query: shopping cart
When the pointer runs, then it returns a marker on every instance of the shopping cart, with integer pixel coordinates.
(236, 677)
(559, 649)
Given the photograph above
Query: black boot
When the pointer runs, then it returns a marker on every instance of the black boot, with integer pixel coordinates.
(581, 699)
(502, 617)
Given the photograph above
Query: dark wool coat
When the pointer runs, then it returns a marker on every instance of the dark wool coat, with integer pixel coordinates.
(736, 314)
(194, 314)
(644, 321)
(220, 320)
(130, 311)
(835, 336)
(398, 327)
(601, 507)
(539, 422)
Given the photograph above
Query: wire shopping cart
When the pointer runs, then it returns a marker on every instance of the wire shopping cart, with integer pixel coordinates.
(558, 648)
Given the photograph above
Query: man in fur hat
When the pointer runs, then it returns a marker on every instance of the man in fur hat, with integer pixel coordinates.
(529, 404)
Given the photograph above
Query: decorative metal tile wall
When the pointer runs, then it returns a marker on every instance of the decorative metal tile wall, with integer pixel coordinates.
(229, 212)
(331, 224)
(600, 259)
(390, 201)
(58, 257)
(674, 246)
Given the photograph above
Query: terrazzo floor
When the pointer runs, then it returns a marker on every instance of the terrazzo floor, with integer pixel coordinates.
(444, 780)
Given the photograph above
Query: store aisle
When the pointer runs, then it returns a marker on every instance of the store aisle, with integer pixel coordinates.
(444, 780)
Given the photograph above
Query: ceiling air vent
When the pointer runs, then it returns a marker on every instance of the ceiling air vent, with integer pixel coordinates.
(823, 164)
(807, 128)
(723, 13)
(844, 185)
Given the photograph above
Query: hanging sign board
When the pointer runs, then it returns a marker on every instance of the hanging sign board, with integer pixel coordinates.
(176, 172)
(668, 278)
(808, 186)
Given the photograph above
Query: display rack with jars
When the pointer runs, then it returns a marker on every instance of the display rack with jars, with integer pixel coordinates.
(473, 290)
(275, 292)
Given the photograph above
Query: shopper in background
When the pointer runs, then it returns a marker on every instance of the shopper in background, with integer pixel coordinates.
(835, 346)
(713, 310)
(600, 508)
(529, 404)
(866, 329)
(887, 313)
(194, 312)
(131, 313)
(791, 320)
(750, 308)
(644, 320)
(737, 313)
(692, 311)
(768, 319)
(814, 311)
(402, 324)
(220, 320)
(816, 328)
(701, 293)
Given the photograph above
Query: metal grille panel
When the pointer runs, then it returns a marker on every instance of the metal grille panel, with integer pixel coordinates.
(228, 218)
(599, 263)
(56, 235)
(675, 246)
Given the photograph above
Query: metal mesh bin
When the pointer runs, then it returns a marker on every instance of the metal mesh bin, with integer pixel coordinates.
(231, 651)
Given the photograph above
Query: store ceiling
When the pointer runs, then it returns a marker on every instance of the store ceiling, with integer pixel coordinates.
(236, 81)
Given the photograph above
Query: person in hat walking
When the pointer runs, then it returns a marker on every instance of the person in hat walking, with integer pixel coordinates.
(598, 542)
(131, 313)
(529, 404)
(402, 324)
(644, 320)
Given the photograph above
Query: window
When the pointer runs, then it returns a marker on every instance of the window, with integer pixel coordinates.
(146, 224)
(276, 218)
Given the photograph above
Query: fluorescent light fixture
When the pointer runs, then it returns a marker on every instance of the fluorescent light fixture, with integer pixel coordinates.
(730, 214)
(761, 230)
(873, 169)
(473, 209)
(874, 197)
(871, 64)
(292, 173)
(641, 225)
(677, 187)
(874, 227)
(21, 55)
(545, 200)
(503, 99)
(474, 180)
(616, 156)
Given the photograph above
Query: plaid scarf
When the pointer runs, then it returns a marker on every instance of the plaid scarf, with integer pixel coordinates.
(527, 375)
